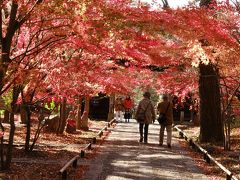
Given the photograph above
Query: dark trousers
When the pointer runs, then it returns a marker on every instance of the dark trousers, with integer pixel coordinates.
(145, 131)
(127, 115)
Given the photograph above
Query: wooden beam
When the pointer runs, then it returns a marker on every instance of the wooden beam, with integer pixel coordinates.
(72, 161)
(206, 155)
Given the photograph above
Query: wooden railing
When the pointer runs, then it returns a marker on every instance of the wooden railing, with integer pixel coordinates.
(73, 162)
(207, 157)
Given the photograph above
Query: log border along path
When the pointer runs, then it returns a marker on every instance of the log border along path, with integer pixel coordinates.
(74, 161)
(123, 157)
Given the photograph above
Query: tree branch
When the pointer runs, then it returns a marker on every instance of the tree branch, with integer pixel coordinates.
(12, 26)
(33, 50)
(21, 21)
(1, 36)
(165, 4)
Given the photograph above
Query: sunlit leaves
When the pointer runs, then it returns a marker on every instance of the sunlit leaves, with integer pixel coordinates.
(73, 45)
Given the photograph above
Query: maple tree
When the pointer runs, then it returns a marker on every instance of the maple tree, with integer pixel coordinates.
(74, 51)
(139, 42)
(204, 51)
(25, 33)
(171, 38)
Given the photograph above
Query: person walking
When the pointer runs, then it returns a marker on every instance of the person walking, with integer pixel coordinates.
(166, 107)
(145, 115)
(128, 104)
(118, 105)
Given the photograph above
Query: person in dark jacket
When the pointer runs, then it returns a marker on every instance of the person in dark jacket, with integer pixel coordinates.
(146, 106)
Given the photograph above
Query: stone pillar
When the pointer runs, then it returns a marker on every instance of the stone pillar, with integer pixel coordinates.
(181, 116)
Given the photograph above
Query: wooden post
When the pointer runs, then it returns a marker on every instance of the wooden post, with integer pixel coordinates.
(82, 153)
(190, 142)
(75, 163)
(94, 140)
(181, 134)
(228, 177)
(64, 175)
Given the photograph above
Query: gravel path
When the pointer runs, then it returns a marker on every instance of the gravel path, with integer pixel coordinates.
(123, 157)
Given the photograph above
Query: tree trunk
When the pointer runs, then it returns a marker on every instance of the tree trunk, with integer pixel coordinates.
(63, 116)
(2, 152)
(79, 112)
(111, 107)
(228, 137)
(1, 144)
(28, 123)
(23, 114)
(37, 133)
(211, 125)
(6, 43)
(8, 160)
(6, 117)
(196, 120)
(84, 124)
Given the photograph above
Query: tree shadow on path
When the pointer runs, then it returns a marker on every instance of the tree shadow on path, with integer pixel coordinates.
(123, 157)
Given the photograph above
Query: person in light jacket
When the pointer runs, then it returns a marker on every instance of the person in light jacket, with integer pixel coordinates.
(145, 105)
(119, 108)
(166, 107)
